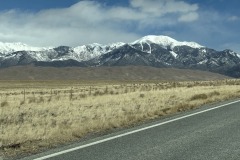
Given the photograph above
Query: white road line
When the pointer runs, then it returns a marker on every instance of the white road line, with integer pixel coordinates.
(132, 132)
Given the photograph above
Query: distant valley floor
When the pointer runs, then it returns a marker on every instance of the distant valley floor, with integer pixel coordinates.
(124, 73)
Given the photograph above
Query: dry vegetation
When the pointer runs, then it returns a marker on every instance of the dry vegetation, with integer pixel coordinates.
(35, 115)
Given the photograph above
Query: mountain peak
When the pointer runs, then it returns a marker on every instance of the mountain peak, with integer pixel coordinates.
(166, 41)
(6, 48)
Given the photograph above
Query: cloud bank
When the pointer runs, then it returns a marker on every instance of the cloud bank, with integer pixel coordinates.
(90, 21)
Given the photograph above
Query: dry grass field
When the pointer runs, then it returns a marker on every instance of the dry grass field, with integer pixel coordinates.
(42, 114)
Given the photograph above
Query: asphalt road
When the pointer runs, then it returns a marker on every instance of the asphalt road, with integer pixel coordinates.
(210, 133)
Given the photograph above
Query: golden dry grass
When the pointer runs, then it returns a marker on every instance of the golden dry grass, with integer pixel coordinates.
(47, 113)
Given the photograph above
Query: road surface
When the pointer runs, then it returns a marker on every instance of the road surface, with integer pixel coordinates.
(211, 132)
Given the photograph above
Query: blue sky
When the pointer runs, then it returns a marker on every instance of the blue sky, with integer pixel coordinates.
(212, 23)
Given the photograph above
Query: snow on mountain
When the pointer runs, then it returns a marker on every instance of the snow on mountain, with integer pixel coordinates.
(6, 48)
(80, 53)
(116, 45)
(87, 52)
(165, 42)
(39, 56)
(174, 54)
(238, 54)
(234, 53)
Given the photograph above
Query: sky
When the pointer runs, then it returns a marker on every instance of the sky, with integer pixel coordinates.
(211, 23)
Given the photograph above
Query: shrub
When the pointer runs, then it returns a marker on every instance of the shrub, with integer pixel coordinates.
(49, 99)
(22, 102)
(198, 96)
(5, 103)
(214, 93)
(32, 100)
(141, 95)
(41, 100)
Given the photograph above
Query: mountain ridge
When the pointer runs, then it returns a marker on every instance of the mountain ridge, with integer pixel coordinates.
(155, 51)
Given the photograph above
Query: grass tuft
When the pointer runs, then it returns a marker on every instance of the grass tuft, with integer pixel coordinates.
(4, 104)
(199, 96)
(141, 95)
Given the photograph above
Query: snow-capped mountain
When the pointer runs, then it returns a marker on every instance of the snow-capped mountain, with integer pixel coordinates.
(157, 51)
(165, 42)
(61, 53)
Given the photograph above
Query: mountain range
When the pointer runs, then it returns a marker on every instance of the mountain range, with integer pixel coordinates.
(154, 51)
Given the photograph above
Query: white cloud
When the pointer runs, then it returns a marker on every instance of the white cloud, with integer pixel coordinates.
(90, 21)
(162, 7)
(233, 18)
(189, 17)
